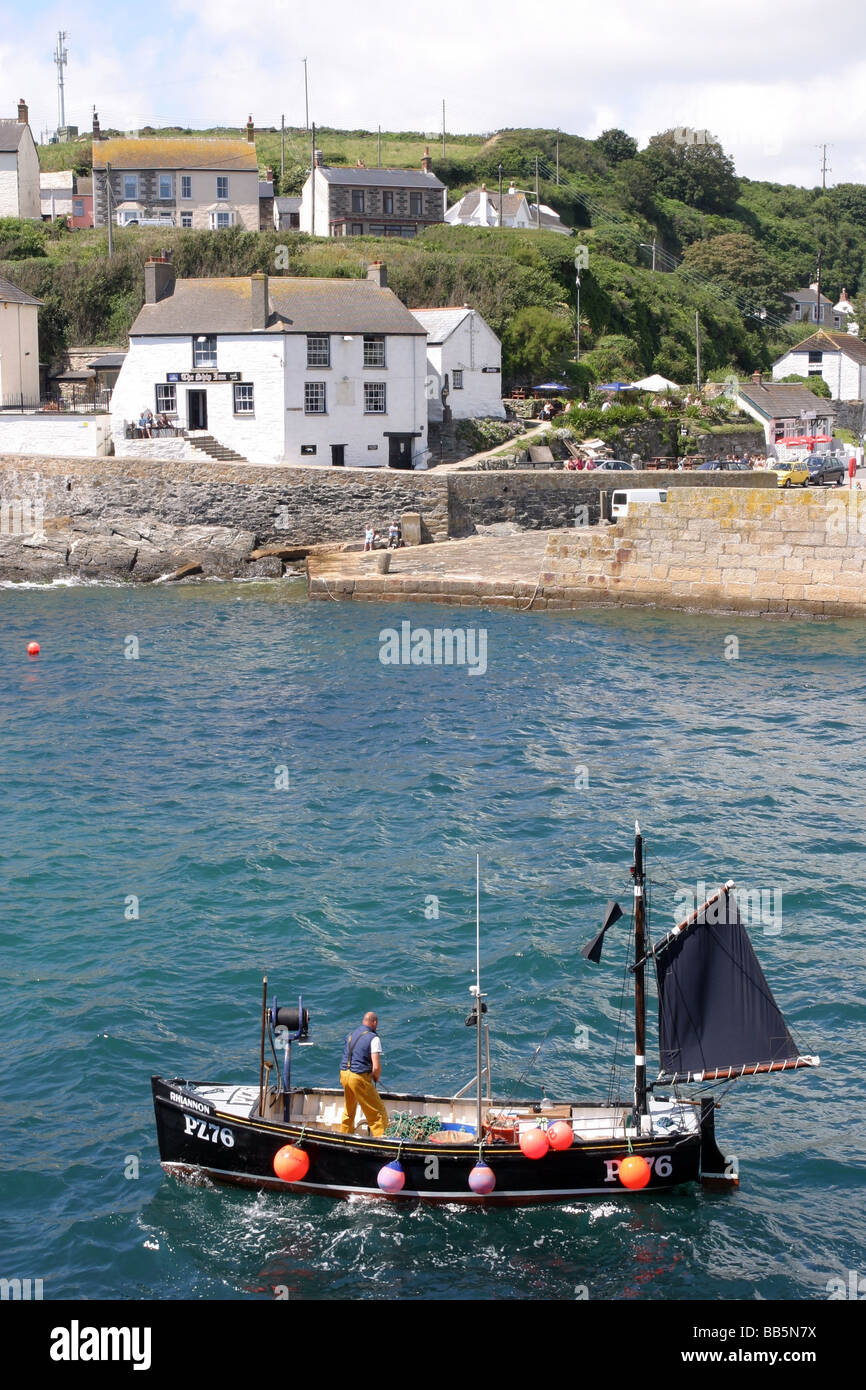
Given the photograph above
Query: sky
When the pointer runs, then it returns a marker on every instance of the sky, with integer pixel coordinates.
(771, 81)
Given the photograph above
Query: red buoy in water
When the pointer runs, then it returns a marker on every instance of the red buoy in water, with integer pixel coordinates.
(634, 1172)
(560, 1135)
(534, 1143)
(291, 1164)
(32, 648)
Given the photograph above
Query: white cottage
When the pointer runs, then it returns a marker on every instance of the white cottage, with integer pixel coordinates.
(789, 414)
(478, 208)
(19, 347)
(840, 358)
(19, 168)
(275, 370)
(464, 359)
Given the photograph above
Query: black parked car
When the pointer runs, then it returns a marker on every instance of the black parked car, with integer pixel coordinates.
(826, 468)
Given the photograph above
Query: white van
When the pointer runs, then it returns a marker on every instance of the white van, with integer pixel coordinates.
(623, 498)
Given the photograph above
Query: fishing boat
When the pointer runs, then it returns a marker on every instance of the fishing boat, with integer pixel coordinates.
(718, 1022)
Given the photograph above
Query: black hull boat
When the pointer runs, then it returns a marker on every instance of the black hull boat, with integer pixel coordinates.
(476, 1149)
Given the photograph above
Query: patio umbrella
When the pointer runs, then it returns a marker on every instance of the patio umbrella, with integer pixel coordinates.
(552, 386)
(656, 382)
(616, 386)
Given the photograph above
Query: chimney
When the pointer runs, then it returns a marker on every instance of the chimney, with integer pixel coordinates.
(259, 311)
(484, 206)
(511, 188)
(319, 159)
(22, 112)
(251, 131)
(426, 162)
(269, 174)
(757, 378)
(843, 298)
(377, 271)
(97, 133)
(158, 278)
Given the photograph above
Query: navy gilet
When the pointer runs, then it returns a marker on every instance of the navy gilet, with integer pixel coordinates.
(359, 1043)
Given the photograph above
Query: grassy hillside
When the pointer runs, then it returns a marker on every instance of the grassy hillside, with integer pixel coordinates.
(725, 248)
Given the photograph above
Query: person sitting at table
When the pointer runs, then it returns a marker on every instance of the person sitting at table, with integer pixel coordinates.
(145, 423)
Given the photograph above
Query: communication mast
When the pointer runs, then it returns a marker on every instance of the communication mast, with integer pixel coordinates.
(60, 60)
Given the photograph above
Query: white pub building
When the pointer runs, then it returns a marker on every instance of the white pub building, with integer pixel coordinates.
(274, 370)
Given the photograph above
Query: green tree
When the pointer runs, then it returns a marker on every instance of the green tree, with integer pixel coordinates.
(741, 262)
(20, 240)
(684, 165)
(616, 146)
(537, 345)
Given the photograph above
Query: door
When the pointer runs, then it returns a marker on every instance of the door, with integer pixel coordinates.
(400, 451)
(338, 455)
(196, 410)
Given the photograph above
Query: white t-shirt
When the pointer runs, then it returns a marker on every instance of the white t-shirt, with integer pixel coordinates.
(375, 1046)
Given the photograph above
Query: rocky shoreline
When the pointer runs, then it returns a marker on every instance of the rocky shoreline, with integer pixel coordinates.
(139, 551)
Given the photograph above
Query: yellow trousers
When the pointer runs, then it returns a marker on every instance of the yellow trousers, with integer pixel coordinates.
(358, 1089)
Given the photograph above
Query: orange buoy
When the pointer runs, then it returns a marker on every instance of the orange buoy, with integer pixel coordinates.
(32, 648)
(291, 1164)
(534, 1143)
(634, 1172)
(560, 1135)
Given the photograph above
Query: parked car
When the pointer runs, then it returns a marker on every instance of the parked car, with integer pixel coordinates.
(616, 465)
(792, 473)
(826, 468)
(711, 466)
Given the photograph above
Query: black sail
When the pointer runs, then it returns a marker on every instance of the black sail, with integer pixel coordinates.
(716, 1010)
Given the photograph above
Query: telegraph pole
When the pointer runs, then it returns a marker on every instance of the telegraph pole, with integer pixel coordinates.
(379, 149)
(306, 98)
(282, 149)
(537, 199)
(818, 307)
(557, 160)
(108, 209)
(698, 346)
(443, 127)
(654, 253)
(500, 195)
(313, 181)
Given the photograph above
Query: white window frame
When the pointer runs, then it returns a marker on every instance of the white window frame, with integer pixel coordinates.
(315, 392)
(374, 393)
(130, 188)
(222, 181)
(166, 398)
(243, 400)
(374, 350)
(165, 180)
(316, 357)
(186, 185)
(221, 220)
(203, 355)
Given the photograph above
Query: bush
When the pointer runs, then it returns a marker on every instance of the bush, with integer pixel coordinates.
(816, 384)
(21, 240)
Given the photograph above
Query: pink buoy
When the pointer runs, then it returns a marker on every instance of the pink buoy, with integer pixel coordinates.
(391, 1178)
(560, 1135)
(534, 1143)
(482, 1179)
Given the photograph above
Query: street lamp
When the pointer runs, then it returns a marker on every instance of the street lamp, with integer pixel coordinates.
(577, 283)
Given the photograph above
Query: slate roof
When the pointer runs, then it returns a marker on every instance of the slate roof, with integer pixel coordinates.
(823, 341)
(11, 133)
(297, 305)
(381, 178)
(781, 401)
(10, 294)
(288, 204)
(511, 202)
(808, 296)
(439, 324)
(107, 361)
(187, 152)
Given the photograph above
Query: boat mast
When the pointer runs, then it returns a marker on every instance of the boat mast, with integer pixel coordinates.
(640, 1102)
(478, 1003)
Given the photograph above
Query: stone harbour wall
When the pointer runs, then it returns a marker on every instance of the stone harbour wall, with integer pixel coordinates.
(745, 550)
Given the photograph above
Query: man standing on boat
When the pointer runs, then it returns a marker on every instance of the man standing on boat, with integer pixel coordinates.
(360, 1069)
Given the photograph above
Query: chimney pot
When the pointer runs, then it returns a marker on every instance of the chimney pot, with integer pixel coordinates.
(377, 271)
(259, 301)
(426, 161)
(22, 112)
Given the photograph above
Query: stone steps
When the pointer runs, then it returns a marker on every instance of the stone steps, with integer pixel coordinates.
(212, 447)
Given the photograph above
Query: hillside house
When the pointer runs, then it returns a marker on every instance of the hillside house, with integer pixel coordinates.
(786, 411)
(185, 182)
(464, 364)
(839, 358)
(82, 203)
(287, 213)
(56, 189)
(478, 208)
(805, 308)
(19, 347)
(19, 168)
(276, 370)
(371, 202)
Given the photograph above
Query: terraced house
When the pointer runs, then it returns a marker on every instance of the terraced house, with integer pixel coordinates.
(371, 202)
(191, 182)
